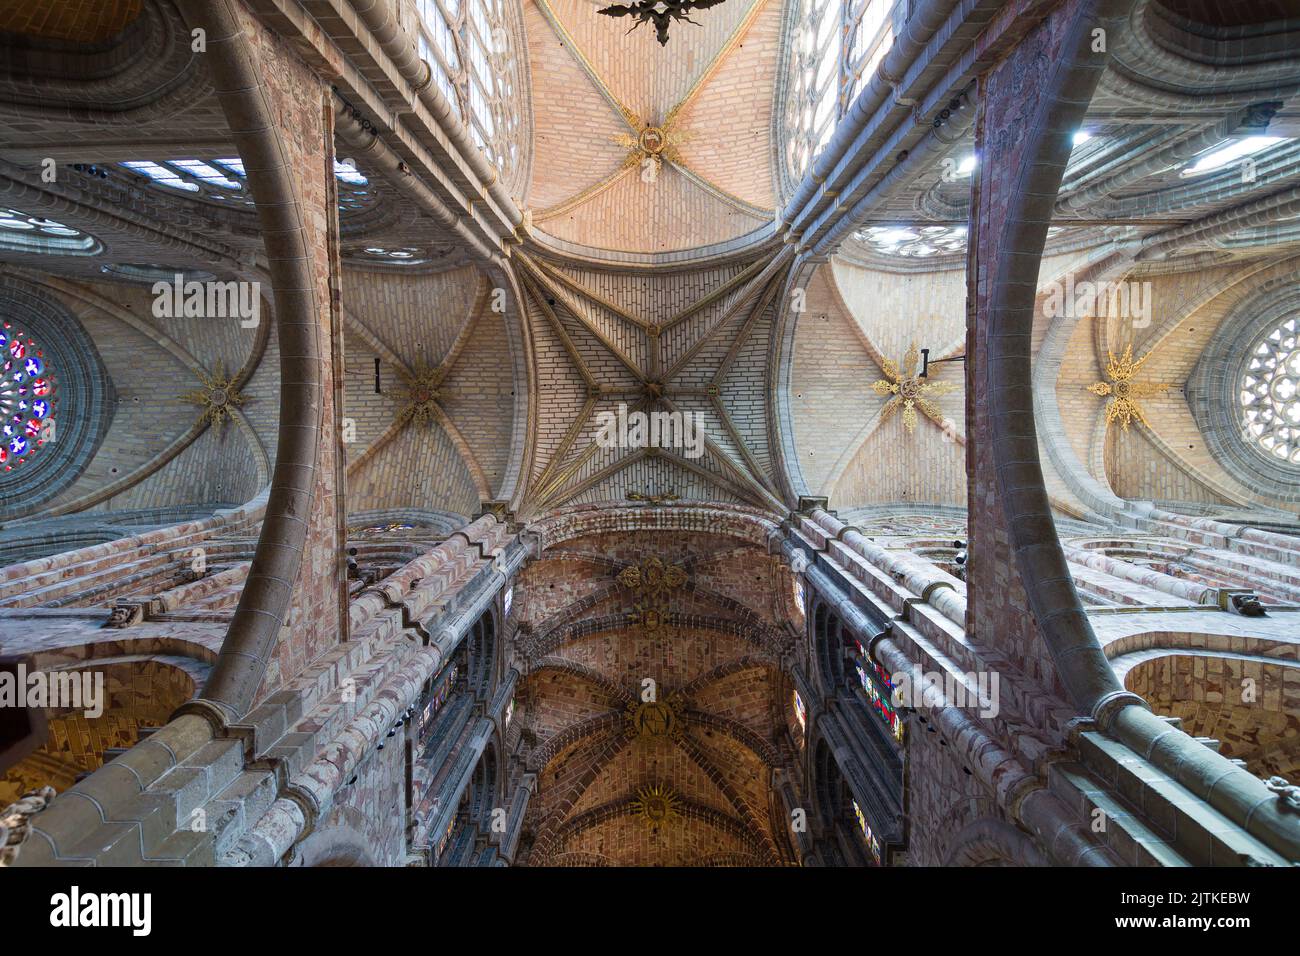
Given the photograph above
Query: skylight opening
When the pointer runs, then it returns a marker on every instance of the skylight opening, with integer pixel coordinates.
(347, 173)
(407, 255)
(1221, 156)
(226, 178)
(202, 171)
(161, 175)
(915, 242)
(20, 232)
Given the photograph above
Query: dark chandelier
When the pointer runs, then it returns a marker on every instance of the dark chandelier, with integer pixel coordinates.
(659, 12)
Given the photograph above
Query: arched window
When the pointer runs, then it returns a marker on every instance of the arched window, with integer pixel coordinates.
(1270, 394)
(839, 811)
(27, 397)
(437, 692)
(878, 684)
(468, 48)
(20, 232)
(482, 655)
(830, 637)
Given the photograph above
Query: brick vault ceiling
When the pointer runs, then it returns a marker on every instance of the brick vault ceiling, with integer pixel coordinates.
(699, 339)
(693, 342)
(710, 741)
(596, 88)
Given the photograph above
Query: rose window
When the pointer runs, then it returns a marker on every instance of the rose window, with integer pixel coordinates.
(1270, 394)
(26, 398)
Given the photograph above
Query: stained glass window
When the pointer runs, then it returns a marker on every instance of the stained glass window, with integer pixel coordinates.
(800, 714)
(446, 836)
(872, 843)
(879, 689)
(433, 704)
(27, 398)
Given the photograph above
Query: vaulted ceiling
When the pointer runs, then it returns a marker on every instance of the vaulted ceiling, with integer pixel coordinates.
(653, 709)
(691, 342)
(647, 149)
(856, 348)
(650, 278)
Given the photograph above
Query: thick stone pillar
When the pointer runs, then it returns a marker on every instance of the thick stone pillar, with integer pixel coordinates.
(1022, 600)
(280, 114)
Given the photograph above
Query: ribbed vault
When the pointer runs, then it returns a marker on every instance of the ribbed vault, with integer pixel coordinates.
(645, 151)
(692, 343)
(653, 682)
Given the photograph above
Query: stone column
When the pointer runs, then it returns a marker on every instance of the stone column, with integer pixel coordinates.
(280, 113)
(1021, 596)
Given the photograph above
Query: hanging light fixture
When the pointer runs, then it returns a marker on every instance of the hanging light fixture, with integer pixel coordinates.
(659, 12)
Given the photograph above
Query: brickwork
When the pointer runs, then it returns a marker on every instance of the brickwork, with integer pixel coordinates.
(147, 417)
(481, 397)
(723, 129)
(940, 793)
(1012, 108)
(852, 325)
(155, 665)
(417, 316)
(1142, 469)
(589, 658)
(1216, 697)
(575, 129)
(137, 693)
(148, 66)
(419, 464)
(361, 747)
(712, 323)
(85, 22)
(730, 121)
(372, 804)
(315, 620)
